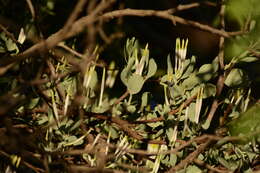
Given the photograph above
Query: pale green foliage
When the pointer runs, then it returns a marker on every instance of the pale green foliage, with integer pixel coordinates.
(65, 113)
(7, 44)
(64, 125)
(139, 67)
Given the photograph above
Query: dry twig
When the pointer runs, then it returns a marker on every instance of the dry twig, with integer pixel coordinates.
(221, 78)
(80, 24)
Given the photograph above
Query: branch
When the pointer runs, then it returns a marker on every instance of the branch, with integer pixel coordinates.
(167, 14)
(221, 78)
(31, 8)
(190, 158)
(126, 127)
(202, 163)
(79, 25)
(172, 112)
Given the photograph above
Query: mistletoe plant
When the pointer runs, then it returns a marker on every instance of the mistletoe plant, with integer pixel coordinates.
(139, 66)
(157, 131)
(184, 81)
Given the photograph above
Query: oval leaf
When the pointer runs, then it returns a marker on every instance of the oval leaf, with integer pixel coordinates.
(169, 65)
(127, 71)
(234, 78)
(206, 72)
(152, 67)
(249, 59)
(190, 82)
(209, 90)
(135, 83)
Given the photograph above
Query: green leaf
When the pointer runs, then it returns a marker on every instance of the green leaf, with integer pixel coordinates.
(234, 78)
(73, 140)
(188, 67)
(176, 91)
(190, 82)
(131, 47)
(193, 169)
(155, 124)
(173, 159)
(171, 134)
(152, 67)
(145, 55)
(94, 80)
(206, 124)
(9, 44)
(144, 101)
(101, 109)
(135, 83)
(223, 162)
(42, 119)
(248, 59)
(159, 133)
(206, 72)
(126, 73)
(113, 132)
(131, 108)
(247, 125)
(215, 64)
(209, 90)
(191, 112)
(169, 65)
(33, 103)
(75, 125)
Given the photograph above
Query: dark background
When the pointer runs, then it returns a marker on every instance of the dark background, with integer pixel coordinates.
(160, 34)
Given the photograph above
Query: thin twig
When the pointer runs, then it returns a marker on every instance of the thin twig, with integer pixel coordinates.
(7, 33)
(31, 8)
(37, 170)
(73, 16)
(72, 51)
(121, 98)
(79, 25)
(198, 140)
(202, 163)
(172, 112)
(221, 78)
(134, 168)
(190, 158)
(222, 39)
(126, 127)
(165, 14)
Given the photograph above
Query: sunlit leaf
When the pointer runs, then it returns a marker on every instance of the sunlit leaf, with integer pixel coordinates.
(209, 90)
(248, 59)
(169, 65)
(155, 124)
(152, 67)
(10, 45)
(135, 83)
(144, 100)
(113, 132)
(188, 67)
(131, 108)
(191, 82)
(126, 72)
(234, 78)
(33, 103)
(193, 169)
(206, 72)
